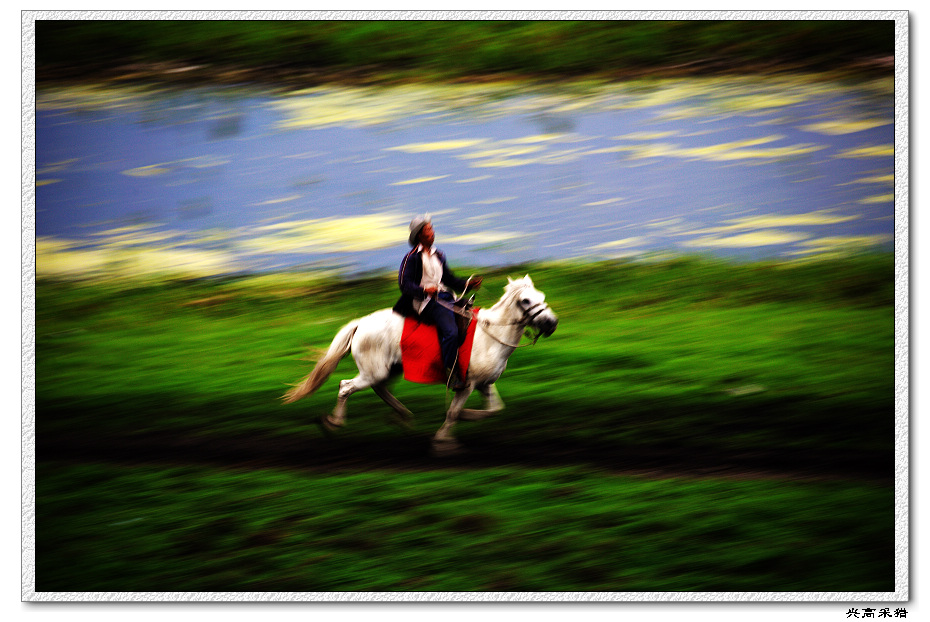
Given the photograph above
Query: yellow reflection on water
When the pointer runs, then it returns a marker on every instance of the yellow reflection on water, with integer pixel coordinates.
(820, 217)
(844, 126)
(418, 180)
(625, 242)
(345, 234)
(56, 257)
(841, 244)
(868, 151)
(748, 240)
(439, 145)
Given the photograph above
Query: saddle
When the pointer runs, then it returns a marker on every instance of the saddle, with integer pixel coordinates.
(419, 347)
(463, 316)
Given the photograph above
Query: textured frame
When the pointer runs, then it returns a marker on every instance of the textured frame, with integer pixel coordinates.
(901, 354)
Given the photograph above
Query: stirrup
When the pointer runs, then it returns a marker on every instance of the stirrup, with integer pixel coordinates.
(454, 379)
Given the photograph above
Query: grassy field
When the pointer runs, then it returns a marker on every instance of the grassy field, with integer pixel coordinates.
(692, 425)
(460, 48)
(183, 528)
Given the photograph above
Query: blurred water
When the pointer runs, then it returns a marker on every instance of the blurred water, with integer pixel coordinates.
(215, 180)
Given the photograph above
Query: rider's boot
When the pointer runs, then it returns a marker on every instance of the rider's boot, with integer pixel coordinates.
(454, 379)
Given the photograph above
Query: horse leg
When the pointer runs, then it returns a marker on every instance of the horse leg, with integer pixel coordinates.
(405, 416)
(443, 440)
(492, 404)
(346, 388)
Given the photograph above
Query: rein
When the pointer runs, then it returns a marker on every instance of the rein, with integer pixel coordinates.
(485, 324)
(528, 316)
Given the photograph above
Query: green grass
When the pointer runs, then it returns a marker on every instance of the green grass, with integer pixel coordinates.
(685, 353)
(187, 529)
(462, 47)
(790, 364)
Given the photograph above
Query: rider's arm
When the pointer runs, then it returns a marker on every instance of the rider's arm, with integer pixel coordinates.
(409, 284)
(448, 277)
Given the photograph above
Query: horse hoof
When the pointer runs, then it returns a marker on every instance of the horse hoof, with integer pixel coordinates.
(328, 424)
(441, 449)
(405, 423)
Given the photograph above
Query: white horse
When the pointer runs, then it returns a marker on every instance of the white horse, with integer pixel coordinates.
(374, 341)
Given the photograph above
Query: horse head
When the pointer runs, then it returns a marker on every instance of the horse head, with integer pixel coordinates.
(532, 304)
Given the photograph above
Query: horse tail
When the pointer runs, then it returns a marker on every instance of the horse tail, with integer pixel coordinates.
(325, 366)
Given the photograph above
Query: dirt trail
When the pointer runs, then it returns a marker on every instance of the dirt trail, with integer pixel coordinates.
(412, 452)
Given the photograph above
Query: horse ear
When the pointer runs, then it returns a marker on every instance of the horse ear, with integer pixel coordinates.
(509, 280)
(528, 280)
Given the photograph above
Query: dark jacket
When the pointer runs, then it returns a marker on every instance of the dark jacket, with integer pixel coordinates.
(411, 274)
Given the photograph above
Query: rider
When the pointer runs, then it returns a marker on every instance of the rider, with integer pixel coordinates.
(425, 284)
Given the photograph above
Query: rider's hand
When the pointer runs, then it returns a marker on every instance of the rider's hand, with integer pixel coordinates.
(475, 283)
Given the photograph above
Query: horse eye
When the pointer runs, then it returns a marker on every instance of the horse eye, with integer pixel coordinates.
(525, 301)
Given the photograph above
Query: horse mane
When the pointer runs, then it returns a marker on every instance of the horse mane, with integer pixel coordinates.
(510, 292)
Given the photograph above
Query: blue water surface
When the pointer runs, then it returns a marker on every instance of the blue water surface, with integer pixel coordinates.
(512, 176)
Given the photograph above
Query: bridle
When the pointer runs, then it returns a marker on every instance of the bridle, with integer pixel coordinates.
(529, 314)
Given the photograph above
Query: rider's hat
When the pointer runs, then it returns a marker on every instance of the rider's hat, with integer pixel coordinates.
(416, 225)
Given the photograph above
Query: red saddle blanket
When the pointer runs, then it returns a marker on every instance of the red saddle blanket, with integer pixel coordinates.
(419, 348)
